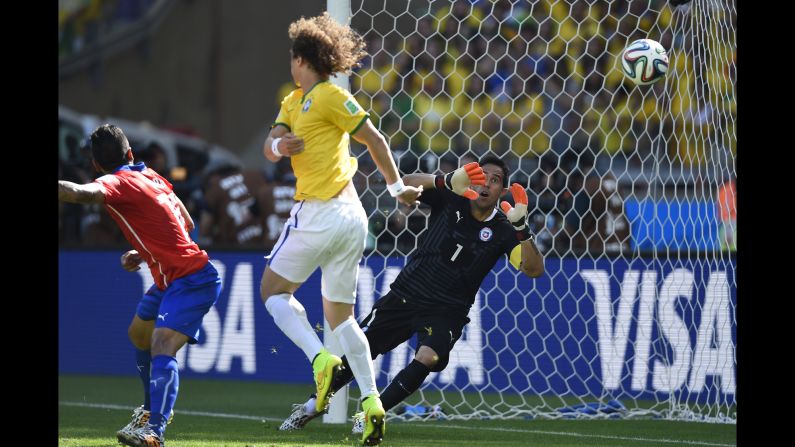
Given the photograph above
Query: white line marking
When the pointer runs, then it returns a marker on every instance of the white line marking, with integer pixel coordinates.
(188, 412)
(443, 425)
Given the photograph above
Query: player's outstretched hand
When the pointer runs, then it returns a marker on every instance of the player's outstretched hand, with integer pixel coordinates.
(131, 261)
(409, 195)
(460, 180)
(516, 214)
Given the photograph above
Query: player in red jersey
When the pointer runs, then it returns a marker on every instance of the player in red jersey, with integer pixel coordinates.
(156, 223)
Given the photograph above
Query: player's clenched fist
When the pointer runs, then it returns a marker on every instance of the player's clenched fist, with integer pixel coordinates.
(131, 261)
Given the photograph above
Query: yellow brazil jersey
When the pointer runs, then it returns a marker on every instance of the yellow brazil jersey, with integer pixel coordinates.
(323, 117)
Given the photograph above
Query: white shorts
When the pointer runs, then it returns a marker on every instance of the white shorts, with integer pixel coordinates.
(327, 234)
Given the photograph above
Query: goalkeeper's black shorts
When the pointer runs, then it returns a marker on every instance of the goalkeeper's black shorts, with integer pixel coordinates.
(394, 320)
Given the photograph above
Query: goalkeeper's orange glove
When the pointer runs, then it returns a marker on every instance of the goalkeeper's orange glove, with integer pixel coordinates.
(459, 180)
(517, 215)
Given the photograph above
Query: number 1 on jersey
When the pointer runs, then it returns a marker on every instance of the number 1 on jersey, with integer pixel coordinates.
(457, 251)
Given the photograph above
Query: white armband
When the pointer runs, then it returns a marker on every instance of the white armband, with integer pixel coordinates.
(397, 188)
(275, 147)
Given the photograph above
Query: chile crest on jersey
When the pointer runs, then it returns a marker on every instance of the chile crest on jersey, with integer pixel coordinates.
(486, 234)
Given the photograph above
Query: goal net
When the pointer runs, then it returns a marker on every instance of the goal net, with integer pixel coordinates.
(631, 198)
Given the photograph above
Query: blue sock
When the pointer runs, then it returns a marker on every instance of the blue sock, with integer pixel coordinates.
(163, 386)
(143, 361)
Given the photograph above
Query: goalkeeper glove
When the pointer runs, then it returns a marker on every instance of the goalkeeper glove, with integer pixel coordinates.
(518, 215)
(459, 180)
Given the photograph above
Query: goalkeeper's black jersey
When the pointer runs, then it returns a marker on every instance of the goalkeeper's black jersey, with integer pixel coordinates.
(453, 255)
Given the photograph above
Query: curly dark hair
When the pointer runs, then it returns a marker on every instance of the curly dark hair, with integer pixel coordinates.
(328, 46)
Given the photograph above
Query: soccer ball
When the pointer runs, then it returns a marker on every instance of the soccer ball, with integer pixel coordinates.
(645, 61)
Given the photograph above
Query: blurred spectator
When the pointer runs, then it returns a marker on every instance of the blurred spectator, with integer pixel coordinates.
(231, 215)
(82, 22)
(275, 200)
(613, 226)
(154, 156)
(727, 213)
(98, 229)
(543, 217)
(75, 160)
(596, 222)
(393, 240)
(73, 167)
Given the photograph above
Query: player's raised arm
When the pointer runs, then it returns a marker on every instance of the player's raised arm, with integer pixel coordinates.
(532, 263)
(376, 145)
(458, 181)
(74, 193)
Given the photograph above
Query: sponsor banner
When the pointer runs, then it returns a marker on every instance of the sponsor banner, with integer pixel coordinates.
(642, 329)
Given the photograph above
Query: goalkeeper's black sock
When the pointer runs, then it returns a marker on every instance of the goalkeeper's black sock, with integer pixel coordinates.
(405, 383)
(343, 377)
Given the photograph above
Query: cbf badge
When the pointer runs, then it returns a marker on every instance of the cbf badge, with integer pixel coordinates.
(306, 105)
(485, 234)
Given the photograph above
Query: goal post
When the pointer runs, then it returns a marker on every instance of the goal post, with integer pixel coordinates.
(631, 198)
(339, 10)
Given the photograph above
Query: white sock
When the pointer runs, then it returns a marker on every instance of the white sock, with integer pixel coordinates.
(357, 350)
(309, 406)
(290, 316)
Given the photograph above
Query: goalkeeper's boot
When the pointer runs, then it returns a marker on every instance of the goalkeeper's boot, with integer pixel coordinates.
(374, 420)
(139, 419)
(358, 423)
(298, 419)
(142, 437)
(325, 366)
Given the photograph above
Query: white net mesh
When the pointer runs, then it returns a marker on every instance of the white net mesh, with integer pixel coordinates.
(636, 314)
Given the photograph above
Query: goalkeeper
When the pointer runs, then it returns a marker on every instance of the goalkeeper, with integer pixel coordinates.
(431, 296)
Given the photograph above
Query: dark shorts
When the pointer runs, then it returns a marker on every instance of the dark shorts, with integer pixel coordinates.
(393, 321)
(182, 306)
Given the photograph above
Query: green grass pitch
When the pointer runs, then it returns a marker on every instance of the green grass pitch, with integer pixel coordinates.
(215, 413)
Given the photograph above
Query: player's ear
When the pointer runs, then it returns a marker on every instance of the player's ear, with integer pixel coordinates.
(130, 156)
(96, 166)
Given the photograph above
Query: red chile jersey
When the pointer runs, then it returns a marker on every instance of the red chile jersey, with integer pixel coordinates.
(147, 211)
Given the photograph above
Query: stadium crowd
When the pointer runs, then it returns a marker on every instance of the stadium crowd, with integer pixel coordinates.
(83, 22)
(534, 82)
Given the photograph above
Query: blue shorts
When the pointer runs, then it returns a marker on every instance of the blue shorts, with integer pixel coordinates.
(182, 306)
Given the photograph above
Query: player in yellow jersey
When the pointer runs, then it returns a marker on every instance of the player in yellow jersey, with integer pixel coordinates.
(328, 225)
